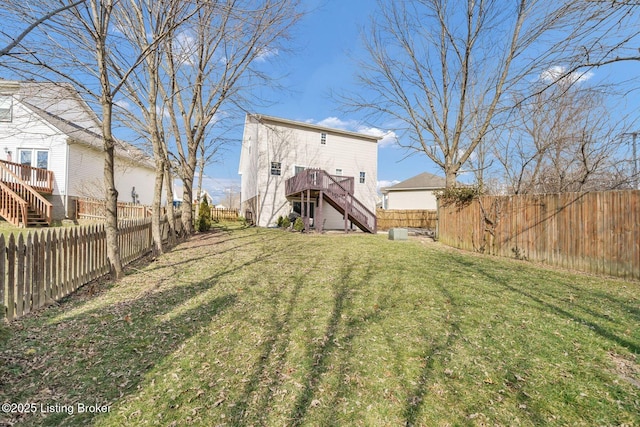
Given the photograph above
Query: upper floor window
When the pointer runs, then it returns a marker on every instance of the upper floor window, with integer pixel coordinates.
(362, 174)
(276, 168)
(6, 104)
(323, 138)
(339, 172)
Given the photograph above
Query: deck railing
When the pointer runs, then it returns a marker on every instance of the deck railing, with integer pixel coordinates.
(12, 207)
(339, 188)
(39, 179)
(41, 206)
(318, 179)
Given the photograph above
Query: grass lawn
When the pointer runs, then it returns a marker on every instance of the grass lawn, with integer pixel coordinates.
(244, 327)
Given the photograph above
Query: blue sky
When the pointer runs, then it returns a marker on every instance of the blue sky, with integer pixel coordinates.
(325, 41)
(325, 44)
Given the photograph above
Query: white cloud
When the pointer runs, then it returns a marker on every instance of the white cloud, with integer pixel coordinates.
(184, 48)
(334, 122)
(389, 138)
(124, 104)
(266, 53)
(558, 72)
(386, 183)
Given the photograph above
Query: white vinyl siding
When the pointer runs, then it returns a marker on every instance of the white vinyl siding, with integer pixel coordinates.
(296, 145)
(411, 199)
(86, 176)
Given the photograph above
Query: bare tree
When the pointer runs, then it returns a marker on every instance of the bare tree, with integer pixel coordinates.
(438, 70)
(7, 50)
(83, 45)
(563, 140)
(149, 21)
(213, 61)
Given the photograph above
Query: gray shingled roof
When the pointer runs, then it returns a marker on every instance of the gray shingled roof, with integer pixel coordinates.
(61, 106)
(424, 181)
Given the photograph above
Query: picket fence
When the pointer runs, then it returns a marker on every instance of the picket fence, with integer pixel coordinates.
(595, 232)
(47, 265)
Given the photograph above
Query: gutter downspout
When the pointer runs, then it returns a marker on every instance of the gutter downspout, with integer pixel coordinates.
(66, 182)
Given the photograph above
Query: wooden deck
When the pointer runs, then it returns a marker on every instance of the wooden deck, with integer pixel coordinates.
(337, 191)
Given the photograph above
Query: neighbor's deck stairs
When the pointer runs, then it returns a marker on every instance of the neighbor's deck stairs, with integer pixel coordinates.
(21, 201)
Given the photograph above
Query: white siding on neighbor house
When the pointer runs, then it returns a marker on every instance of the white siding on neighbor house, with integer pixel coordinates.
(299, 146)
(86, 176)
(411, 199)
(27, 131)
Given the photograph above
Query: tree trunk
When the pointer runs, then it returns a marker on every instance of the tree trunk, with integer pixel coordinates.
(187, 202)
(187, 191)
(156, 215)
(111, 195)
(450, 178)
(171, 221)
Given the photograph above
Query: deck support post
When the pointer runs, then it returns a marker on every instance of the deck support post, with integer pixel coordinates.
(319, 214)
(346, 213)
(307, 225)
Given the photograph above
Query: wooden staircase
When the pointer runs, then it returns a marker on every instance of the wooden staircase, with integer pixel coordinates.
(21, 203)
(337, 191)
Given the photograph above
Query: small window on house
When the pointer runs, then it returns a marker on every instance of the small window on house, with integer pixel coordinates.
(339, 172)
(6, 113)
(276, 168)
(323, 138)
(362, 174)
(298, 169)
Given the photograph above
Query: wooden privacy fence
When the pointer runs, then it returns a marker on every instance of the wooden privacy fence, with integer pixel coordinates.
(390, 218)
(48, 265)
(595, 232)
(96, 210)
(224, 214)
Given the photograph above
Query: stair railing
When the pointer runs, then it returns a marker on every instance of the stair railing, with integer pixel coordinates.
(355, 208)
(12, 207)
(33, 199)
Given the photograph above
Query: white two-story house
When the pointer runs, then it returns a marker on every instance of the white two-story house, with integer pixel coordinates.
(327, 176)
(51, 144)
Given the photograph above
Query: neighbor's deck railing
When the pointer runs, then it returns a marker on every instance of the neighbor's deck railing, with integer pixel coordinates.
(41, 206)
(39, 179)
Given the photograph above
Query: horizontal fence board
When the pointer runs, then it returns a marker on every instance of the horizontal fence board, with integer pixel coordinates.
(596, 232)
(51, 264)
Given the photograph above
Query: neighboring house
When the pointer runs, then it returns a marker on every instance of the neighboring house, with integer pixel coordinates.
(328, 176)
(417, 192)
(204, 194)
(48, 129)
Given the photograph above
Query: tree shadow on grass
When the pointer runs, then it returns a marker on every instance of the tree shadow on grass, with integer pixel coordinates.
(319, 354)
(268, 375)
(547, 299)
(101, 355)
(544, 298)
(417, 395)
